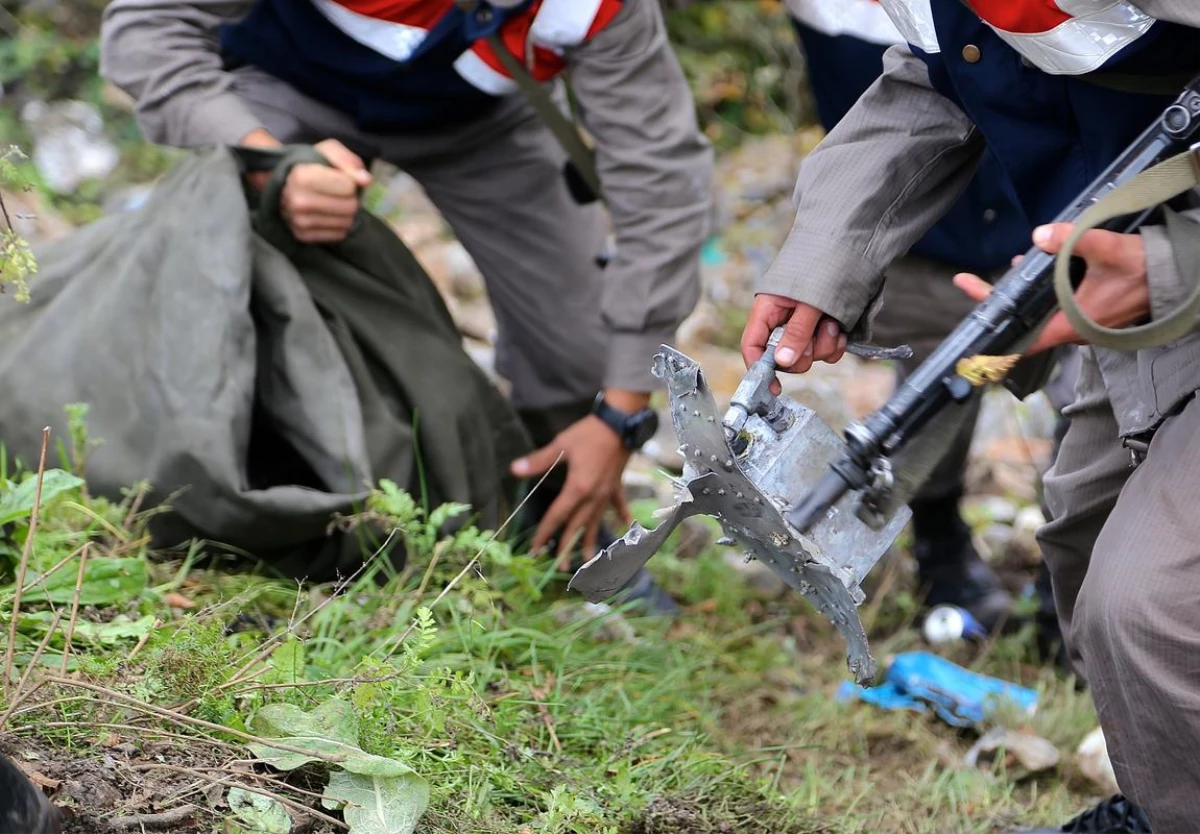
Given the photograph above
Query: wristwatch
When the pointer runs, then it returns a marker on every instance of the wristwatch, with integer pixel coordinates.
(633, 429)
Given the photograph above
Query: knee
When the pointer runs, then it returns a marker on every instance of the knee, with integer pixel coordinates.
(1132, 608)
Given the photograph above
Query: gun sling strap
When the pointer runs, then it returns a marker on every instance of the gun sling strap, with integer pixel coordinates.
(582, 157)
(1153, 187)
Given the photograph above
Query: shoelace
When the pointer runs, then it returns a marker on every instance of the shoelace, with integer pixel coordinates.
(1116, 815)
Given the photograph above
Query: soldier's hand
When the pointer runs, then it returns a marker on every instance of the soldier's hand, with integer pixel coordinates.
(809, 335)
(318, 202)
(1113, 293)
(595, 459)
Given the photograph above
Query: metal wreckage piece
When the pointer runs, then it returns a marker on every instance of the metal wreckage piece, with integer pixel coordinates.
(739, 469)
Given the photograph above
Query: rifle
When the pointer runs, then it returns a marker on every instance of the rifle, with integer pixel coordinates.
(742, 466)
(1161, 163)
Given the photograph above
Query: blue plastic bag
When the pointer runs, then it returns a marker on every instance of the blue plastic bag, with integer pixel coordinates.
(959, 696)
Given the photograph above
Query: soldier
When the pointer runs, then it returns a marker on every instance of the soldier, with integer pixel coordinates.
(1055, 92)
(843, 43)
(419, 84)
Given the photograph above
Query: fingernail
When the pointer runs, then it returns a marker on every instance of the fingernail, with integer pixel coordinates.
(521, 466)
(832, 328)
(808, 349)
(785, 356)
(842, 342)
(1042, 234)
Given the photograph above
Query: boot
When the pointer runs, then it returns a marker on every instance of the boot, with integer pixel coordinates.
(22, 806)
(642, 589)
(1116, 815)
(950, 570)
(1050, 642)
(543, 425)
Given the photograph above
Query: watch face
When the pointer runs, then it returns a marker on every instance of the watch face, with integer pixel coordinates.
(643, 428)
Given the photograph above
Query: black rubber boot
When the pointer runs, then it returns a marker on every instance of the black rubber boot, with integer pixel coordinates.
(648, 596)
(22, 806)
(950, 570)
(543, 425)
(1050, 643)
(1116, 815)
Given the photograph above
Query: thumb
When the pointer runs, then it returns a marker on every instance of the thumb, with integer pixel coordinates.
(345, 160)
(975, 287)
(1050, 238)
(797, 337)
(537, 462)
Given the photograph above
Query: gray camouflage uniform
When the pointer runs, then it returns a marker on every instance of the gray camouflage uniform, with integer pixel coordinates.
(566, 326)
(1124, 543)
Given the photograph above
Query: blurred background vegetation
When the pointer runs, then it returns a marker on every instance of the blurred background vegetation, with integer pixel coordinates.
(740, 56)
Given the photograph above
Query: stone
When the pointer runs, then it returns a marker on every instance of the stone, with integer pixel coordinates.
(996, 509)
(130, 198)
(1092, 759)
(69, 145)
(1032, 753)
(32, 219)
(643, 486)
(994, 541)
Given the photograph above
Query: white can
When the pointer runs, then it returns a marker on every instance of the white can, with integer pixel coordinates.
(949, 624)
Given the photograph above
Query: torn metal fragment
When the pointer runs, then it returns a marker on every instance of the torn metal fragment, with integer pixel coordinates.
(780, 449)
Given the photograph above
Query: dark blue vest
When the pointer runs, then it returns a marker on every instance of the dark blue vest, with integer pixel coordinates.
(986, 227)
(1051, 134)
(293, 41)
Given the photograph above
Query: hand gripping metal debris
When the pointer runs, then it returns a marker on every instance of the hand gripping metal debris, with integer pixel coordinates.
(738, 469)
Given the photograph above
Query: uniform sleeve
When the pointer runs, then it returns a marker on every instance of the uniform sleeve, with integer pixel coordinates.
(655, 169)
(881, 178)
(166, 56)
(1169, 287)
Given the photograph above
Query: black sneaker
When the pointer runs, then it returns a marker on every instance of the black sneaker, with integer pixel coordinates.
(641, 588)
(648, 595)
(1116, 815)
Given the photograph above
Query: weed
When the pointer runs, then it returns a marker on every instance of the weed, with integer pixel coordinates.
(17, 263)
(470, 691)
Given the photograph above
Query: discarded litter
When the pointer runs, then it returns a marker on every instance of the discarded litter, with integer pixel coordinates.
(958, 696)
(1092, 759)
(1032, 753)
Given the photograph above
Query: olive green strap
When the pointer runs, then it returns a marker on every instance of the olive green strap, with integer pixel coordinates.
(1148, 189)
(581, 156)
(265, 207)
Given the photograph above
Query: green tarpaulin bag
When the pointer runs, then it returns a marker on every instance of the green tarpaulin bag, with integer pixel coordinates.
(261, 384)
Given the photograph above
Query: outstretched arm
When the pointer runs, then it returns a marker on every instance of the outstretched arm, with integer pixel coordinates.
(165, 54)
(881, 178)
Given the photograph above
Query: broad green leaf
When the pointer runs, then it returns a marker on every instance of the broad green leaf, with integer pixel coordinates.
(329, 730)
(333, 720)
(105, 582)
(258, 814)
(120, 628)
(375, 804)
(16, 503)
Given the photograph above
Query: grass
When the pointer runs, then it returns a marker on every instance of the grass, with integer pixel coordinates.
(469, 688)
